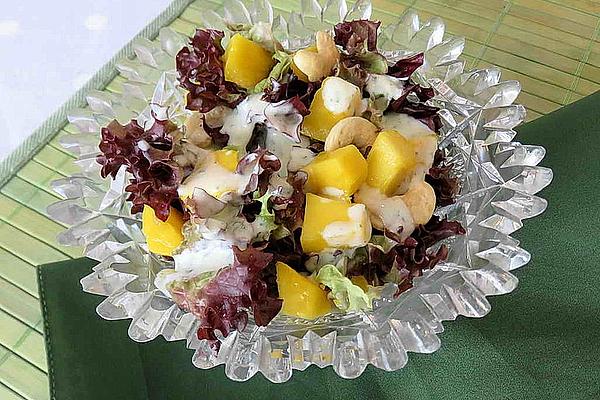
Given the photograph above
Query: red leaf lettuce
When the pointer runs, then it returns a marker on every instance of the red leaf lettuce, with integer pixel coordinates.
(357, 36)
(289, 210)
(425, 113)
(292, 88)
(442, 179)
(200, 68)
(405, 67)
(222, 304)
(219, 139)
(409, 259)
(147, 154)
(358, 39)
(259, 165)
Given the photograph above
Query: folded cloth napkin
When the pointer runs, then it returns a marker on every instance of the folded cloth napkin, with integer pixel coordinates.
(540, 342)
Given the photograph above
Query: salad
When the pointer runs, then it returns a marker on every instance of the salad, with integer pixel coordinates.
(300, 183)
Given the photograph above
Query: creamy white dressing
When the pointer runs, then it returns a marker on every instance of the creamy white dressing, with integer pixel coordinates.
(281, 146)
(284, 117)
(281, 118)
(355, 232)
(214, 248)
(239, 124)
(391, 211)
(408, 126)
(338, 95)
(385, 86)
(212, 228)
(333, 191)
(300, 157)
(204, 255)
(214, 179)
(227, 226)
(143, 145)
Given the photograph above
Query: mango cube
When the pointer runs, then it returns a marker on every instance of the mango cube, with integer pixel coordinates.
(334, 101)
(227, 159)
(336, 173)
(333, 224)
(246, 62)
(391, 162)
(302, 297)
(162, 237)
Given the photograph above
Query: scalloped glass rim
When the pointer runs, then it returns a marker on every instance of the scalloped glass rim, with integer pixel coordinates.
(500, 179)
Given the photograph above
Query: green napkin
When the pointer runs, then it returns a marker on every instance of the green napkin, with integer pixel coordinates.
(540, 342)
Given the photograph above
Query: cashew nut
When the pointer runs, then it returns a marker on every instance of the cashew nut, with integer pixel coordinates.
(352, 130)
(420, 200)
(406, 211)
(317, 65)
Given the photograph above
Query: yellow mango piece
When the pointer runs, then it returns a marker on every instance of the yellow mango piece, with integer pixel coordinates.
(302, 297)
(246, 62)
(227, 159)
(335, 100)
(391, 162)
(361, 282)
(162, 237)
(333, 224)
(336, 173)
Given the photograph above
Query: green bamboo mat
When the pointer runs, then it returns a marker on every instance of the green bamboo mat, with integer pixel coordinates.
(551, 47)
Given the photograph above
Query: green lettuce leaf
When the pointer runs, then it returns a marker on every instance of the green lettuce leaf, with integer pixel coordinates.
(373, 62)
(265, 218)
(194, 284)
(346, 295)
(175, 282)
(284, 63)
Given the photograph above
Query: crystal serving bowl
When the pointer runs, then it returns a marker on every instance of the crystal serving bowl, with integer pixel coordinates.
(500, 178)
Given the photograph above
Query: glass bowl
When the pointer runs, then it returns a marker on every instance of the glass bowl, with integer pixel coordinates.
(500, 178)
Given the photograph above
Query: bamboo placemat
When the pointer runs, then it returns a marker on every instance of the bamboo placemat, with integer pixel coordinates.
(552, 47)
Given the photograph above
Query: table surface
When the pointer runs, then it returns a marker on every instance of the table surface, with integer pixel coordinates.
(552, 47)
